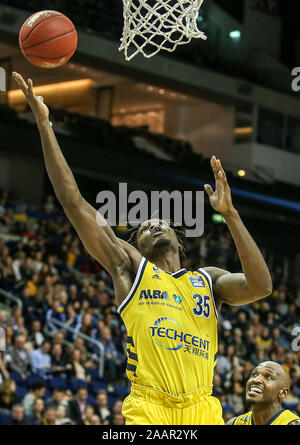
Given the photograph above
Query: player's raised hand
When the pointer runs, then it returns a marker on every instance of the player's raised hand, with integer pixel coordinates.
(220, 199)
(39, 109)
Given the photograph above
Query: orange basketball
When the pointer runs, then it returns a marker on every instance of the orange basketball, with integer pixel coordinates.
(48, 39)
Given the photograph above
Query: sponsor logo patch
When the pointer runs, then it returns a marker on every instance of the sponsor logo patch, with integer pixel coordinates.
(197, 281)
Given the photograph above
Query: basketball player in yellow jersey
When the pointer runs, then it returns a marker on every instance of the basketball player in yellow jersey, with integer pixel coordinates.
(266, 389)
(170, 314)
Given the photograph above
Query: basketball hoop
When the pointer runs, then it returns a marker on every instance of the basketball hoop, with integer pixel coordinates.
(154, 25)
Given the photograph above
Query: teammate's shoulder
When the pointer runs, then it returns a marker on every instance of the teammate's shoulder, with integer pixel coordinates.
(243, 419)
(291, 417)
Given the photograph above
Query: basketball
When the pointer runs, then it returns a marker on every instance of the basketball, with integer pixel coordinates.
(48, 39)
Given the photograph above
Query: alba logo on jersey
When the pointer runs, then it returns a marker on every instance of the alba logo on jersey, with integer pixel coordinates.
(169, 332)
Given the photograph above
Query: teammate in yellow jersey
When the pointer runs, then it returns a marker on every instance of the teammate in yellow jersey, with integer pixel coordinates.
(266, 389)
(170, 314)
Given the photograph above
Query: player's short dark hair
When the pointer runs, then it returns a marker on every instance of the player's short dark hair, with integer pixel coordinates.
(180, 233)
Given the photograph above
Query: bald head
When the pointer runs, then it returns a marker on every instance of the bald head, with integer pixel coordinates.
(268, 384)
(282, 375)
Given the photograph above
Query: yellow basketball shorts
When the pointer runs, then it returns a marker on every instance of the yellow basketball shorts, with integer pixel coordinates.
(149, 406)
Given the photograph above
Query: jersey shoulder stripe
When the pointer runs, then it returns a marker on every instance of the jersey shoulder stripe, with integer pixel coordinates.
(135, 285)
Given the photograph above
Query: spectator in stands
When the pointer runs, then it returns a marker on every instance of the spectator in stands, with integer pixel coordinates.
(77, 367)
(17, 357)
(58, 398)
(217, 385)
(279, 338)
(75, 297)
(49, 206)
(117, 409)
(59, 362)
(88, 414)
(101, 408)
(36, 337)
(110, 354)
(3, 371)
(73, 320)
(57, 313)
(78, 405)
(41, 359)
(242, 321)
(264, 339)
(225, 404)
(118, 419)
(49, 416)
(95, 420)
(61, 415)
(259, 355)
(18, 417)
(9, 337)
(8, 396)
(19, 328)
(232, 358)
(92, 298)
(37, 391)
(37, 415)
(236, 400)
(59, 338)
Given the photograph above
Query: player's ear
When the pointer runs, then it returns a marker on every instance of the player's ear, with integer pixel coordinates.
(283, 393)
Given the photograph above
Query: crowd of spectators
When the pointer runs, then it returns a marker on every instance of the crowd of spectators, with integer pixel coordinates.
(50, 376)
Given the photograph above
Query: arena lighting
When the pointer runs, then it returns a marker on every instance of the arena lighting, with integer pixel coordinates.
(16, 96)
(243, 131)
(217, 218)
(235, 35)
(241, 173)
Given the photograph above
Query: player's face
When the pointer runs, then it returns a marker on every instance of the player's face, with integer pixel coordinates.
(154, 234)
(263, 385)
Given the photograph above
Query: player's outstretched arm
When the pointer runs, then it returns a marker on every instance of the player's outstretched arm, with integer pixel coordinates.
(255, 281)
(97, 237)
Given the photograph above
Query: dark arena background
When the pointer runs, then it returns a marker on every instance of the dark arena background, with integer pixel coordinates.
(153, 124)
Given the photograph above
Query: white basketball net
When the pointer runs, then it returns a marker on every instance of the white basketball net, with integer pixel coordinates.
(154, 25)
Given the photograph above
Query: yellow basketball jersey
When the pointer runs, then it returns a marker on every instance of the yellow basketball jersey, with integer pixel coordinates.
(283, 417)
(171, 323)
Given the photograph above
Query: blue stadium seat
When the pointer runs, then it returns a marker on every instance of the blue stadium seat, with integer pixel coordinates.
(16, 377)
(58, 382)
(91, 400)
(47, 394)
(121, 390)
(34, 378)
(4, 418)
(21, 391)
(77, 383)
(94, 373)
(97, 385)
(111, 400)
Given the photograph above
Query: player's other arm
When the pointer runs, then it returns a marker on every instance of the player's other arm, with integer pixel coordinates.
(255, 281)
(97, 237)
